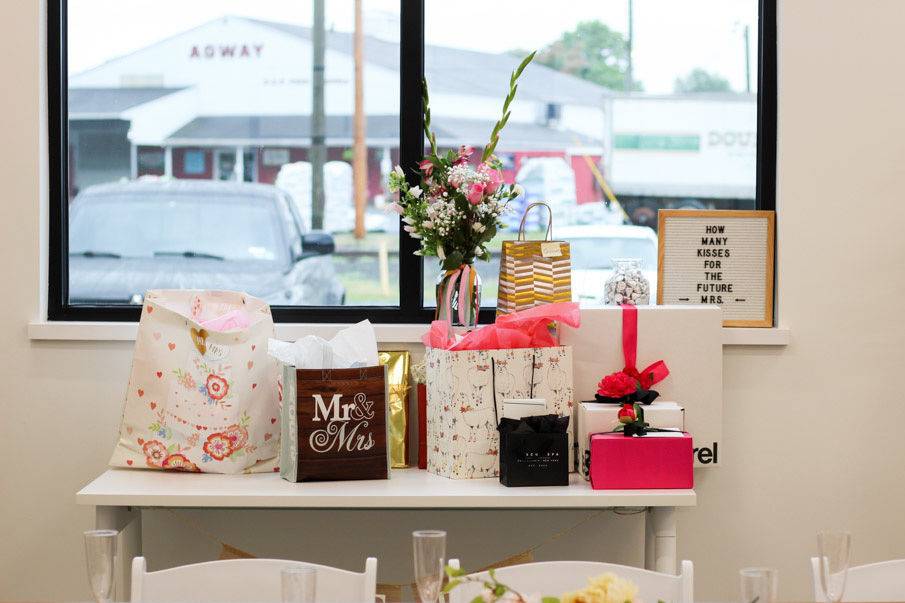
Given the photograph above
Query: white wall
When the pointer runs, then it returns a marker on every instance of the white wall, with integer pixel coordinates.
(813, 431)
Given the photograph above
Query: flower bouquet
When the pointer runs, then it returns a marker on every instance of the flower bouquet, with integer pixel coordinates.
(455, 210)
(606, 588)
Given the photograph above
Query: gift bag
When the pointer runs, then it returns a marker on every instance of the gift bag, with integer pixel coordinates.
(534, 272)
(465, 395)
(397, 364)
(334, 424)
(203, 392)
(534, 451)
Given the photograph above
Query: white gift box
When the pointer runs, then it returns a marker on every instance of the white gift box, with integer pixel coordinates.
(520, 408)
(465, 393)
(688, 338)
(594, 417)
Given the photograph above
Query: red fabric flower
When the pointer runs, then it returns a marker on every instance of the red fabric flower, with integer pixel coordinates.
(217, 387)
(617, 385)
(179, 462)
(218, 446)
(627, 413)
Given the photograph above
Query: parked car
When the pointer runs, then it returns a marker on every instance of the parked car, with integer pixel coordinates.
(593, 249)
(126, 238)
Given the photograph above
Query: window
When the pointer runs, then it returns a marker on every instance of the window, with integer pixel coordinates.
(201, 146)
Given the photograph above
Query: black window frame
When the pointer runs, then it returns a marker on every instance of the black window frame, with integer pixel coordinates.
(411, 307)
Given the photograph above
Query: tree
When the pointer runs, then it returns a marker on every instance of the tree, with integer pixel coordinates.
(593, 52)
(699, 80)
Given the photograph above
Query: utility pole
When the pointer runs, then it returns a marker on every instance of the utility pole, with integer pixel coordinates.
(318, 153)
(359, 147)
(629, 75)
(747, 59)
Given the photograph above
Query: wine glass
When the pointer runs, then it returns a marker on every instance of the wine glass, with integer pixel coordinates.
(100, 555)
(430, 557)
(759, 584)
(834, 550)
(299, 584)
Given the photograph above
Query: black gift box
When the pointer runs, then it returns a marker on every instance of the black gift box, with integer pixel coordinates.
(534, 451)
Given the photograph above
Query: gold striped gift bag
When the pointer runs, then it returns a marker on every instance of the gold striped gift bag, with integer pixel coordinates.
(534, 272)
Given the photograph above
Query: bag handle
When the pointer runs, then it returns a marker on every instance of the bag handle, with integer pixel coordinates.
(521, 226)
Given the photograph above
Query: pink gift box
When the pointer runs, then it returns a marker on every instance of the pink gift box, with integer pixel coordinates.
(656, 460)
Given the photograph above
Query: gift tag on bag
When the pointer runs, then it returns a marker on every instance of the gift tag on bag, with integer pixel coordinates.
(534, 272)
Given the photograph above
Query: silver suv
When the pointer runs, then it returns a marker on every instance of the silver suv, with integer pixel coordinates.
(126, 238)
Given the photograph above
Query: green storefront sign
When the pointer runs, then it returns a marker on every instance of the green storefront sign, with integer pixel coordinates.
(658, 142)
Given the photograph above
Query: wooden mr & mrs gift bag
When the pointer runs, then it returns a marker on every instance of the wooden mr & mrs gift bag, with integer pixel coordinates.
(334, 424)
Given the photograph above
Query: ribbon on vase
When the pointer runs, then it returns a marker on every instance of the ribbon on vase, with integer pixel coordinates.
(631, 385)
(467, 296)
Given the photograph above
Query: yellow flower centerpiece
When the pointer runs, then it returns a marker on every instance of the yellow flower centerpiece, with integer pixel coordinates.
(608, 588)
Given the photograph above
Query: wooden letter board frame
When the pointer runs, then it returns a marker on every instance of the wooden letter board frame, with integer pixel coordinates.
(721, 217)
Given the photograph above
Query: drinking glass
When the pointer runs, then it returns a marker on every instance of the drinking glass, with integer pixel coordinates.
(299, 584)
(430, 557)
(100, 555)
(758, 584)
(834, 550)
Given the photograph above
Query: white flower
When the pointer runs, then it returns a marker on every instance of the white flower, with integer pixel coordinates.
(407, 220)
(478, 227)
(415, 191)
(518, 190)
(440, 253)
(414, 235)
(398, 170)
(418, 252)
(478, 250)
(408, 228)
(427, 224)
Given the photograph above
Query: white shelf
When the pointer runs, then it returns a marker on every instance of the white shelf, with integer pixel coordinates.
(406, 489)
(386, 333)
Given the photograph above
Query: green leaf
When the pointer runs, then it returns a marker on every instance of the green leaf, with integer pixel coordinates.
(478, 599)
(492, 573)
(524, 64)
(453, 572)
(549, 600)
(453, 260)
(500, 590)
(451, 585)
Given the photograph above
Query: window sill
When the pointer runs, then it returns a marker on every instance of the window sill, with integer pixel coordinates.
(43, 330)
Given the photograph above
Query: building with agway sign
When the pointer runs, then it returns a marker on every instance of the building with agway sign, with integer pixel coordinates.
(232, 99)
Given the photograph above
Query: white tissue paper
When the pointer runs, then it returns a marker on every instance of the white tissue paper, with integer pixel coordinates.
(352, 347)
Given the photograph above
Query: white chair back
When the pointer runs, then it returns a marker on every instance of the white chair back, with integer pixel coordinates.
(877, 582)
(554, 578)
(246, 581)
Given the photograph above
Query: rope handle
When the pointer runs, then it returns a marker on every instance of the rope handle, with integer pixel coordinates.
(521, 226)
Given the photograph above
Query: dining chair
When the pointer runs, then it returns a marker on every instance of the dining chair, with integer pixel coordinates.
(246, 581)
(554, 578)
(877, 582)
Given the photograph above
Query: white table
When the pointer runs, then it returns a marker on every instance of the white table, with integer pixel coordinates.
(119, 495)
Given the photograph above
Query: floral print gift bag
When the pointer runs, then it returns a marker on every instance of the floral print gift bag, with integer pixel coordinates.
(203, 393)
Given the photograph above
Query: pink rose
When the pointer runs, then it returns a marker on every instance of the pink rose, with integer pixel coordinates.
(475, 193)
(495, 180)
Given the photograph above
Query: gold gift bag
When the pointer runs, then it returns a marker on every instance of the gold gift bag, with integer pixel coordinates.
(397, 364)
(534, 272)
